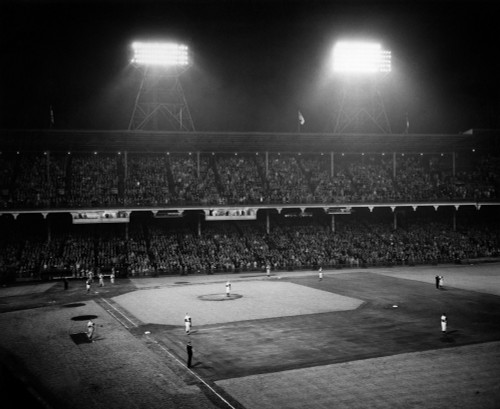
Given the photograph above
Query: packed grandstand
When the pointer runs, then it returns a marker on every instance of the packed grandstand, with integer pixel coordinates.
(428, 200)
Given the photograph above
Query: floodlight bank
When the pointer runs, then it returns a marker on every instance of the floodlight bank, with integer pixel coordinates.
(163, 54)
(360, 57)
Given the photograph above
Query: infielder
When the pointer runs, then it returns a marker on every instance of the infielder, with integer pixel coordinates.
(187, 323)
(90, 330)
(228, 289)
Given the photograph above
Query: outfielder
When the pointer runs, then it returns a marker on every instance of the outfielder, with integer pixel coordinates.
(444, 322)
(228, 289)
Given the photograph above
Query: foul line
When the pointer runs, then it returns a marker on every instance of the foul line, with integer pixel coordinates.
(166, 350)
(119, 312)
(193, 373)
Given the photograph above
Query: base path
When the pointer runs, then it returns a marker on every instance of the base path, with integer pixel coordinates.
(249, 300)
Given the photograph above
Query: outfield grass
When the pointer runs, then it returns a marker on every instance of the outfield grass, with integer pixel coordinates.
(356, 339)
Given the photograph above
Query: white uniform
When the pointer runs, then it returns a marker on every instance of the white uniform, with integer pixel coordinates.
(187, 323)
(444, 321)
(90, 330)
(320, 273)
(268, 270)
(228, 289)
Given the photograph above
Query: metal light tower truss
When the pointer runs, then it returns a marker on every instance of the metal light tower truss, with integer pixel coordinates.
(160, 103)
(360, 109)
(360, 68)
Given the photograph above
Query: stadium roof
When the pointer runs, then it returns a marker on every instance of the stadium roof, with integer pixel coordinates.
(230, 142)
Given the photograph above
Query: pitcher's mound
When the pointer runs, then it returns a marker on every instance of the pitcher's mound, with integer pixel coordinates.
(219, 297)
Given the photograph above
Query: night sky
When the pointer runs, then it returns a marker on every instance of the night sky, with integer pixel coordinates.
(255, 63)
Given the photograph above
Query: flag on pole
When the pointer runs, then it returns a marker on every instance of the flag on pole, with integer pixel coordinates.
(301, 118)
(52, 122)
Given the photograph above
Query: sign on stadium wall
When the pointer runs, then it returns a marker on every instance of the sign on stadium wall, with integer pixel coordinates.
(230, 214)
(100, 217)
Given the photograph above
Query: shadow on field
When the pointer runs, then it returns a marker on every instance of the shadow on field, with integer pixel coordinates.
(84, 317)
(80, 338)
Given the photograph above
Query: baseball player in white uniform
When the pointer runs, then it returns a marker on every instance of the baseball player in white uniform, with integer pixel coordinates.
(187, 323)
(444, 322)
(228, 289)
(90, 330)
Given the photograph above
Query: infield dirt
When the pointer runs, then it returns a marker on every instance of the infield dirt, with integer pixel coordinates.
(280, 351)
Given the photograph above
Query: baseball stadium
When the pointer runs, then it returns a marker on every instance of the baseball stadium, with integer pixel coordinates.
(217, 215)
(365, 334)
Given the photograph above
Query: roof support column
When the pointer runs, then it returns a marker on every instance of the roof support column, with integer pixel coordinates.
(394, 165)
(47, 167)
(125, 165)
(198, 164)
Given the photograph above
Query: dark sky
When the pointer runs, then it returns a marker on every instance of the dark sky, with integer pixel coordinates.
(255, 63)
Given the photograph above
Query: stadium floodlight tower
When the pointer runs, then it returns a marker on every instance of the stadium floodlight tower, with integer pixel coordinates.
(160, 103)
(359, 67)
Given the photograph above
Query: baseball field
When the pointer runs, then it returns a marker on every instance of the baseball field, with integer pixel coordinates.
(360, 338)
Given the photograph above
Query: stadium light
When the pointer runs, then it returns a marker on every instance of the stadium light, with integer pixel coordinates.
(160, 103)
(360, 57)
(160, 54)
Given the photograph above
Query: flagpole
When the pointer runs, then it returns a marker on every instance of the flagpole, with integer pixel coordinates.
(52, 122)
(300, 120)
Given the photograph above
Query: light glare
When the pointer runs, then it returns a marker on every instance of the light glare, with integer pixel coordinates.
(163, 54)
(360, 57)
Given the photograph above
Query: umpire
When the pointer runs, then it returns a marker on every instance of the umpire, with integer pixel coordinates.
(189, 349)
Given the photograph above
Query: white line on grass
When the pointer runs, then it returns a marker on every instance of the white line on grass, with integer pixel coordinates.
(193, 373)
(116, 318)
(166, 350)
(121, 313)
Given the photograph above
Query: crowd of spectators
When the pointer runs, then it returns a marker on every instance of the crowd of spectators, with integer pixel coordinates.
(103, 180)
(150, 247)
(88, 180)
(194, 180)
(240, 180)
(146, 183)
(93, 180)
